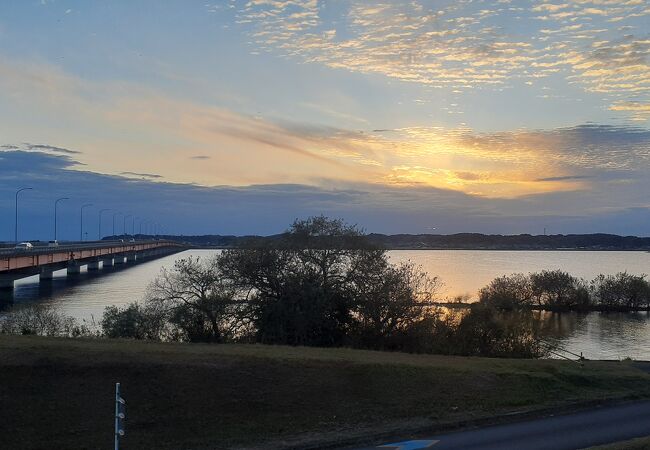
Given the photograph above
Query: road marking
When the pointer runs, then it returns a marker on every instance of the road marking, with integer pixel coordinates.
(410, 445)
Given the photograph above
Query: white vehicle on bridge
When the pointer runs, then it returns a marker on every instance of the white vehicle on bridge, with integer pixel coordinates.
(24, 246)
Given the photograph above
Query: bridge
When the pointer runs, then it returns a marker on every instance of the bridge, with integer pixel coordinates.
(43, 260)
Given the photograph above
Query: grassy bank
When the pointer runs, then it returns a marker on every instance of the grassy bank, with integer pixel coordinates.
(58, 393)
(633, 444)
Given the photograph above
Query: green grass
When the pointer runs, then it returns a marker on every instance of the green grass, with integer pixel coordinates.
(58, 393)
(633, 444)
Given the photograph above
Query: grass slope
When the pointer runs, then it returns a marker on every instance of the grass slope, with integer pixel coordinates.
(58, 393)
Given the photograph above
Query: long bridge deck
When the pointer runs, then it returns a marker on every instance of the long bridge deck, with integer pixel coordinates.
(43, 260)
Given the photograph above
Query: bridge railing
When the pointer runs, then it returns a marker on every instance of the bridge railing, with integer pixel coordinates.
(78, 246)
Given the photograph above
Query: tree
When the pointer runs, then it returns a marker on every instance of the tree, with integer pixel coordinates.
(558, 289)
(508, 292)
(621, 291)
(199, 300)
(393, 304)
(301, 287)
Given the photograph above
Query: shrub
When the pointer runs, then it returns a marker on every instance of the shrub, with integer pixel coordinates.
(484, 331)
(42, 320)
(134, 321)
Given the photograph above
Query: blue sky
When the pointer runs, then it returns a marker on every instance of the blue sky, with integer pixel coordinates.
(488, 116)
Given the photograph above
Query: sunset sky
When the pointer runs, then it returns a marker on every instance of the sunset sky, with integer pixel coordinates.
(236, 117)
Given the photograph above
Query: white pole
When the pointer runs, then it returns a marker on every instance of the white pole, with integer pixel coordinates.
(117, 411)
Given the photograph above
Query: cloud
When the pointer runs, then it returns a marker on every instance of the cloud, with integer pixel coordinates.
(565, 178)
(254, 151)
(143, 175)
(462, 45)
(51, 148)
(269, 208)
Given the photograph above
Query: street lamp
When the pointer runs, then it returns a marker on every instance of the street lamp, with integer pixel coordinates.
(139, 224)
(56, 203)
(99, 233)
(115, 214)
(124, 224)
(81, 229)
(16, 224)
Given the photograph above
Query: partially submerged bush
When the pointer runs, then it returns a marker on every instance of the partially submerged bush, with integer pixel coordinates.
(621, 291)
(557, 290)
(508, 292)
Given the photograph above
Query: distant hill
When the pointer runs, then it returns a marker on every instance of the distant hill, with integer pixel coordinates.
(460, 241)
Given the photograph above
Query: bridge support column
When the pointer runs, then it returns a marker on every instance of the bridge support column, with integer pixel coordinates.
(74, 269)
(45, 275)
(130, 258)
(93, 265)
(6, 282)
(119, 259)
(108, 262)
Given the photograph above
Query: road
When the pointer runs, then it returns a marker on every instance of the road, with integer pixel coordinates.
(563, 432)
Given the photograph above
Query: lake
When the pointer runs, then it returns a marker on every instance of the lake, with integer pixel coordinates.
(596, 335)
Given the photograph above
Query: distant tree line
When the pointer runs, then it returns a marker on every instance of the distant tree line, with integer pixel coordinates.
(470, 241)
(558, 290)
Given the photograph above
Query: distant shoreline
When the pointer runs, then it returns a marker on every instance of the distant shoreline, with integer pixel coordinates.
(459, 241)
(577, 249)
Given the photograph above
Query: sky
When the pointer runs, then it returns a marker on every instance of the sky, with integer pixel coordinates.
(237, 117)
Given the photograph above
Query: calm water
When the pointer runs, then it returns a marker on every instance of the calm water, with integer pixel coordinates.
(597, 335)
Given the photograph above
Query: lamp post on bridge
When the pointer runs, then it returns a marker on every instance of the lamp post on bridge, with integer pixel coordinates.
(139, 223)
(99, 232)
(124, 224)
(16, 224)
(56, 203)
(81, 228)
(116, 213)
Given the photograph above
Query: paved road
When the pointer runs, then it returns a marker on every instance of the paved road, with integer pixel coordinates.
(563, 432)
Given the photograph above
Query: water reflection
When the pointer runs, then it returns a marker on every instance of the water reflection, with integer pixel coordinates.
(599, 335)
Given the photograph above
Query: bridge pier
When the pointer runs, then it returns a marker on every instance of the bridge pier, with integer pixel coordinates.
(45, 274)
(108, 262)
(93, 265)
(74, 269)
(7, 282)
(131, 257)
(119, 259)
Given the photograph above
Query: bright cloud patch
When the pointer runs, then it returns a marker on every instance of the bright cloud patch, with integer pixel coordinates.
(603, 46)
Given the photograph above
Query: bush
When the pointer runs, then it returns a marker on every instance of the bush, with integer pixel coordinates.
(134, 321)
(42, 320)
(484, 331)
